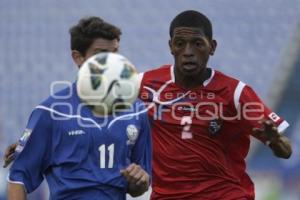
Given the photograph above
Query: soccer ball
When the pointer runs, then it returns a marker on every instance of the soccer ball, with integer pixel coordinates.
(107, 82)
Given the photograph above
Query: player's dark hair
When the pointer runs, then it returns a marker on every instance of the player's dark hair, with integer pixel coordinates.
(88, 29)
(192, 18)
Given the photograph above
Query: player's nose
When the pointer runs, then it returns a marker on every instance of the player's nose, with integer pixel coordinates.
(188, 51)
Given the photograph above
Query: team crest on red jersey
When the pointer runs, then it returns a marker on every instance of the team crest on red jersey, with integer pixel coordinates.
(214, 126)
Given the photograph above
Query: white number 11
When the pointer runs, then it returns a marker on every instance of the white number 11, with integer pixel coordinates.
(111, 149)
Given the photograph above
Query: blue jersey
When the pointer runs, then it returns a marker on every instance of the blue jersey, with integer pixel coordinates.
(79, 154)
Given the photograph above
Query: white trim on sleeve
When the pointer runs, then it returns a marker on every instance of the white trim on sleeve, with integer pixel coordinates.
(15, 182)
(283, 126)
(237, 94)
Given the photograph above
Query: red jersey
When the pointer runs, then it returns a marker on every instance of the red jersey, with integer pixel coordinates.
(202, 136)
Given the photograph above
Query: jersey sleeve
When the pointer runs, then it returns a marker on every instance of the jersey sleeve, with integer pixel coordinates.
(33, 152)
(253, 109)
(142, 150)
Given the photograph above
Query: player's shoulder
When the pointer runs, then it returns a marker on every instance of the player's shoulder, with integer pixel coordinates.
(221, 76)
(222, 80)
(232, 83)
(62, 101)
(62, 96)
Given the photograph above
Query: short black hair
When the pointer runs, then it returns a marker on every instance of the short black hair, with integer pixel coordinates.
(192, 18)
(88, 29)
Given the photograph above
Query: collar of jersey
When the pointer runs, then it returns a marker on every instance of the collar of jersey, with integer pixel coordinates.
(205, 83)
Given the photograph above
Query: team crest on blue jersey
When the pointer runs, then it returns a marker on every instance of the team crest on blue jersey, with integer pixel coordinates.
(25, 135)
(23, 140)
(132, 134)
(214, 126)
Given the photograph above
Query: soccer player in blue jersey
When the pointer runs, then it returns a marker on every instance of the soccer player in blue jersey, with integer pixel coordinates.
(81, 156)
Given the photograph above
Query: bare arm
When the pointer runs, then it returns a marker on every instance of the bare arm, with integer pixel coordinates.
(279, 144)
(138, 179)
(16, 192)
(9, 154)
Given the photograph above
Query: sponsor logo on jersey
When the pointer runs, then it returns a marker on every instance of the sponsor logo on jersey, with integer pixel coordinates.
(76, 132)
(132, 134)
(274, 117)
(214, 126)
(187, 108)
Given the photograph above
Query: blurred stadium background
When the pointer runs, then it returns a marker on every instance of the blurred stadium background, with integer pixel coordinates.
(258, 42)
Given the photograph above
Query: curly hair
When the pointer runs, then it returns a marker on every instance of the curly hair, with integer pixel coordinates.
(88, 29)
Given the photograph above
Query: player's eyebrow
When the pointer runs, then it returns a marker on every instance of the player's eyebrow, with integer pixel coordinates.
(101, 50)
(192, 39)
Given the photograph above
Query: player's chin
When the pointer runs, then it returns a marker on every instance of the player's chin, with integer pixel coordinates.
(190, 71)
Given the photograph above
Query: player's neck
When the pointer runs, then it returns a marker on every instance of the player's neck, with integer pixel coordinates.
(190, 82)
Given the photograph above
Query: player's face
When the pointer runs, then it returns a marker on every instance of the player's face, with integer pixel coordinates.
(98, 45)
(191, 50)
(102, 45)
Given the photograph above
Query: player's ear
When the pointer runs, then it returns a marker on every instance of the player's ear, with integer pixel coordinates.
(77, 57)
(170, 46)
(213, 47)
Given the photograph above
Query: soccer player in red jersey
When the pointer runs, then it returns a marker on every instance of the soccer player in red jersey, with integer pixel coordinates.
(202, 121)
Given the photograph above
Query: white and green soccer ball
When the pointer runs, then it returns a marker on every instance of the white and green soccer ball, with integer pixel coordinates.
(107, 82)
